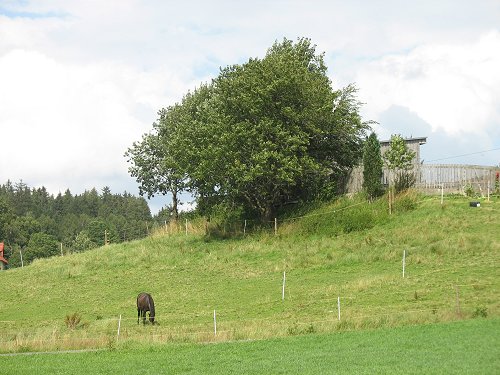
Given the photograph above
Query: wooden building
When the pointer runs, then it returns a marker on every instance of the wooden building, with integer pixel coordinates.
(431, 178)
(3, 261)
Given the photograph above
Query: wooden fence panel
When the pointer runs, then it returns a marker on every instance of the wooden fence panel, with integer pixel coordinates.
(451, 177)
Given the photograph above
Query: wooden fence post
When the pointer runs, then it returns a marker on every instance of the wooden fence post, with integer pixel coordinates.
(119, 325)
(338, 306)
(458, 300)
(215, 324)
(404, 262)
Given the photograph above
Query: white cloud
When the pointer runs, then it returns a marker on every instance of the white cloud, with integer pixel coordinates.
(80, 81)
(453, 87)
(69, 122)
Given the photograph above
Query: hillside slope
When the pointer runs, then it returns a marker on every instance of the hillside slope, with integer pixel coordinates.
(349, 251)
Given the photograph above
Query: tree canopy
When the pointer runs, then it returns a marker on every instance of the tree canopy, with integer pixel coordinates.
(261, 134)
(36, 222)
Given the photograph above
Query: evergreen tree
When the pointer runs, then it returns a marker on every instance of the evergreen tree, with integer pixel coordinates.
(372, 167)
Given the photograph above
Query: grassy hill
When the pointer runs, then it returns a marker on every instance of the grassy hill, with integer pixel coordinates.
(348, 249)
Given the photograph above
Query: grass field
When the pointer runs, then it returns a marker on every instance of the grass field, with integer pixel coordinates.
(348, 249)
(466, 347)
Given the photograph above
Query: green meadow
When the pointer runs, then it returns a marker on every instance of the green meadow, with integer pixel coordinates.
(348, 251)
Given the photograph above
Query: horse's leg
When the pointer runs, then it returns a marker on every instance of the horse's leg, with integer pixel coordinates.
(138, 315)
(144, 317)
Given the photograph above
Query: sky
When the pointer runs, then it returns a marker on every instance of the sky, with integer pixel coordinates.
(80, 81)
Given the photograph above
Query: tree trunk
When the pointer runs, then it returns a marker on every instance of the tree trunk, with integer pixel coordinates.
(175, 202)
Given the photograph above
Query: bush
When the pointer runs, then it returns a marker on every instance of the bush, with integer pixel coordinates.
(480, 312)
(73, 320)
(41, 245)
(469, 191)
(404, 180)
(406, 202)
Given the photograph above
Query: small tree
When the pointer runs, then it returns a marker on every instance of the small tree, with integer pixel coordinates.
(372, 167)
(399, 160)
(152, 162)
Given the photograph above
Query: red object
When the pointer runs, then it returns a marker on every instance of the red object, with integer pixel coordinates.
(2, 259)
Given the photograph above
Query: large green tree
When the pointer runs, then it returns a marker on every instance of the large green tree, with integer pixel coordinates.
(261, 134)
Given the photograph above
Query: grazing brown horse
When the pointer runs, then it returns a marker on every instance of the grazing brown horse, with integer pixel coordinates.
(145, 303)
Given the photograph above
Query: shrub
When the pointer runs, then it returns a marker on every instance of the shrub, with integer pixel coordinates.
(404, 180)
(406, 202)
(73, 320)
(480, 312)
(469, 190)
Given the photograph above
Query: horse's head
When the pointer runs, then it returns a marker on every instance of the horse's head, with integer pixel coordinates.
(152, 319)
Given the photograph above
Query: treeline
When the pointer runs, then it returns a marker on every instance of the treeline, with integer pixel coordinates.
(36, 224)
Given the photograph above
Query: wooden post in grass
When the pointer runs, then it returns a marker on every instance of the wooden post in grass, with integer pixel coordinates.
(390, 200)
(21, 253)
(404, 262)
(283, 289)
(338, 306)
(458, 300)
(275, 226)
(245, 228)
(215, 324)
(442, 193)
(119, 325)
(61, 250)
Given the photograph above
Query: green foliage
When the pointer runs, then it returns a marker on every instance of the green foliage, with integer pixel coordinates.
(398, 156)
(343, 216)
(404, 180)
(262, 134)
(399, 160)
(469, 191)
(153, 163)
(82, 242)
(480, 312)
(77, 221)
(372, 167)
(41, 245)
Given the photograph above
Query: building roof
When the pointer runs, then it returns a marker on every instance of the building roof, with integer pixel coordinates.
(420, 140)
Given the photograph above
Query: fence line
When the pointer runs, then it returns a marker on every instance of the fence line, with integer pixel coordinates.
(210, 333)
(243, 224)
(209, 313)
(453, 177)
